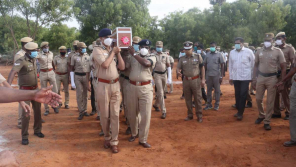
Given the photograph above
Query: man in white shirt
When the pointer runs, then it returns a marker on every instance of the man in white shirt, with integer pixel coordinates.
(241, 64)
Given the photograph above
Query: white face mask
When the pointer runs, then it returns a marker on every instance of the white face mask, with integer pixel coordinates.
(144, 51)
(279, 42)
(108, 41)
(267, 44)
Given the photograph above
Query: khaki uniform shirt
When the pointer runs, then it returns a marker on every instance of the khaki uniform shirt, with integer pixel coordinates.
(171, 59)
(19, 54)
(60, 64)
(27, 71)
(70, 55)
(139, 73)
(81, 63)
(268, 59)
(100, 54)
(127, 61)
(289, 53)
(161, 60)
(190, 65)
(213, 62)
(45, 60)
(2, 79)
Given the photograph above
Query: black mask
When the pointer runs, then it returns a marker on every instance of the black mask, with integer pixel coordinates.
(63, 53)
(75, 47)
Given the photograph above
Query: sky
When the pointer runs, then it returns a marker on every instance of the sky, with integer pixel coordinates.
(161, 8)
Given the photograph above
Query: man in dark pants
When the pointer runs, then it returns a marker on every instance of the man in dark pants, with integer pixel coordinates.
(203, 56)
(241, 64)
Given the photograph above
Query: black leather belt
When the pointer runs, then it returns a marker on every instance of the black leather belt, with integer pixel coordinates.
(157, 72)
(268, 74)
(123, 76)
(80, 74)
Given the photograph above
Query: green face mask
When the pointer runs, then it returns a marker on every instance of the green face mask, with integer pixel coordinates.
(212, 49)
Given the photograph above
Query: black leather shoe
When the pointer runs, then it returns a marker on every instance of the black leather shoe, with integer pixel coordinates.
(25, 141)
(42, 120)
(276, 116)
(286, 117)
(41, 135)
(239, 118)
(188, 118)
(86, 114)
(80, 116)
(128, 131)
(93, 113)
(290, 143)
(132, 138)
(46, 113)
(145, 145)
(249, 105)
(101, 133)
(233, 106)
(199, 120)
(67, 107)
(156, 108)
(163, 116)
(164, 97)
(235, 115)
(259, 120)
(267, 127)
(56, 110)
(98, 118)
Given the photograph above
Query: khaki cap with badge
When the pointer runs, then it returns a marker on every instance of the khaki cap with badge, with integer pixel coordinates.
(62, 47)
(26, 39)
(75, 42)
(280, 34)
(43, 44)
(81, 45)
(31, 46)
(269, 36)
(136, 39)
(159, 43)
(246, 45)
(187, 45)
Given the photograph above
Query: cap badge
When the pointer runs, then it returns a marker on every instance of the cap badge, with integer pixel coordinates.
(147, 42)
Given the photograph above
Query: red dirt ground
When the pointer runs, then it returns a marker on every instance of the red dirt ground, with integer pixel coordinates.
(220, 140)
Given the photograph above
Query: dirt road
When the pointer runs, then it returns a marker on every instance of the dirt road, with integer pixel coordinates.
(219, 141)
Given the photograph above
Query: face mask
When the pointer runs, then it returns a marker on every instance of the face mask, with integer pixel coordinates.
(237, 46)
(45, 50)
(158, 49)
(267, 44)
(212, 49)
(195, 48)
(63, 53)
(136, 47)
(279, 42)
(108, 41)
(198, 51)
(144, 51)
(33, 54)
(83, 50)
(183, 54)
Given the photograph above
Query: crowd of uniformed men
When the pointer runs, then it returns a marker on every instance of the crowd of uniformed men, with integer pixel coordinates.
(123, 78)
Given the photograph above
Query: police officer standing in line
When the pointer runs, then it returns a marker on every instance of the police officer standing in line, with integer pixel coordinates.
(213, 63)
(108, 88)
(141, 92)
(289, 53)
(203, 56)
(81, 66)
(27, 71)
(160, 77)
(92, 81)
(62, 74)
(267, 60)
(47, 75)
(70, 55)
(191, 64)
(18, 55)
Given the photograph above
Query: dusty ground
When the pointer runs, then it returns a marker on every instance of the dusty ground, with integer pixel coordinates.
(219, 141)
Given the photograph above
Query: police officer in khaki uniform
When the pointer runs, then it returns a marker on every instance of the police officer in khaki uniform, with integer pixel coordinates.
(141, 92)
(92, 81)
(70, 55)
(27, 71)
(108, 88)
(160, 77)
(171, 59)
(47, 75)
(289, 53)
(266, 61)
(18, 55)
(191, 64)
(80, 64)
(62, 73)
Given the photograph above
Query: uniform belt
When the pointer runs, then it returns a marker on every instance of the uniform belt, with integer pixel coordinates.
(123, 76)
(140, 83)
(268, 74)
(80, 74)
(61, 73)
(158, 72)
(29, 87)
(108, 81)
(44, 70)
(191, 78)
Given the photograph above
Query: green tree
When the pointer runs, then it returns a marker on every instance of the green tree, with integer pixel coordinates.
(291, 22)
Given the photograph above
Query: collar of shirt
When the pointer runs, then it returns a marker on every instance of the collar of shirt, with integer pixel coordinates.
(243, 48)
(214, 52)
(271, 48)
(28, 59)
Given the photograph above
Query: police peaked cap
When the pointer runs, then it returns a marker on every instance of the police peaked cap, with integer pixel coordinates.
(144, 42)
(105, 32)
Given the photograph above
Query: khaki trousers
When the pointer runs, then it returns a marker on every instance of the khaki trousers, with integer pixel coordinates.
(64, 79)
(266, 83)
(193, 88)
(81, 92)
(139, 108)
(292, 117)
(160, 82)
(285, 97)
(26, 119)
(108, 96)
(124, 84)
(95, 83)
(48, 77)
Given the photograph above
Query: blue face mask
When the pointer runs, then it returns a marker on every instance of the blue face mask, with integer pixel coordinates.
(183, 54)
(195, 48)
(212, 49)
(136, 47)
(33, 54)
(237, 46)
(45, 50)
(158, 49)
(198, 51)
(83, 50)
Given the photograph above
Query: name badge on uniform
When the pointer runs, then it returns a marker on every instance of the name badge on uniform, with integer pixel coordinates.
(30, 65)
(195, 60)
(17, 64)
(106, 54)
(261, 54)
(184, 61)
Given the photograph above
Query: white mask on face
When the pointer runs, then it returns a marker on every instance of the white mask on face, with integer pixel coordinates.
(108, 41)
(144, 51)
(279, 42)
(267, 44)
